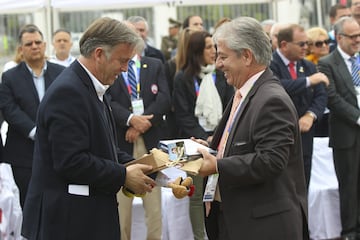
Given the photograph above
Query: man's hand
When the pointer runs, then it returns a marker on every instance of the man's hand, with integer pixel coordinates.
(137, 181)
(131, 135)
(306, 122)
(209, 165)
(317, 78)
(202, 142)
(141, 123)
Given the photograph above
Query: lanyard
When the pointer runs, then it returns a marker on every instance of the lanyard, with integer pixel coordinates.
(197, 86)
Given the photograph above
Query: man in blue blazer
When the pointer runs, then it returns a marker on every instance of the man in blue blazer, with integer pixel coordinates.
(77, 170)
(306, 87)
(139, 132)
(21, 91)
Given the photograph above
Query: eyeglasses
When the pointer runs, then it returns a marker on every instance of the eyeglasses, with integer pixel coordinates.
(352, 37)
(29, 44)
(319, 44)
(301, 43)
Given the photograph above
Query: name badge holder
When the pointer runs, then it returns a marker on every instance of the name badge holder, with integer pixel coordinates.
(137, 106)
(209, 193)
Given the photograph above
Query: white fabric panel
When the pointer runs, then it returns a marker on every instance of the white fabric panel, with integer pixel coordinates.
(175, 214)
(324, 209)
(11, 219)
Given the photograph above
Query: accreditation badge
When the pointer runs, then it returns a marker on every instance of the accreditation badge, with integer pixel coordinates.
(137, 106)
(209, 193)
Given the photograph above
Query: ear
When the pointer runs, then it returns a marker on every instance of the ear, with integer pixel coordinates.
(338, 37)
(98, 53)
(282, 44)
(248, 56)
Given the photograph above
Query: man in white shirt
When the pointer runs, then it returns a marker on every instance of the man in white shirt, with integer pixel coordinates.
(62, 44)
(21, 91)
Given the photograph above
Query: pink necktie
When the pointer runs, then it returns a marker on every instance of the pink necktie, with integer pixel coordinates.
(292, 70)
(222, 144)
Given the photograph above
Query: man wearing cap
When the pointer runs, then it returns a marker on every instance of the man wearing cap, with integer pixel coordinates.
(169, 43)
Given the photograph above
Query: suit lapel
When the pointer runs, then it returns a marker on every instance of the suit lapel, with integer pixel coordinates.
(101, 107)
(344, 72)
(144, 71)
(29, 82)
(300, 69)
(283, 67)
(123, 87)
(243, 106)
(85, 78)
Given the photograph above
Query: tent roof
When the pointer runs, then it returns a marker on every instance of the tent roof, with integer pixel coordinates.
(20, 6)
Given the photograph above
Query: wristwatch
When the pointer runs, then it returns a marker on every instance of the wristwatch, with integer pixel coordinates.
(313, 115)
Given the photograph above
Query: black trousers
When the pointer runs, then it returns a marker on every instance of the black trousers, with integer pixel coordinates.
(347, 168)
(214, 223)
(22, 177)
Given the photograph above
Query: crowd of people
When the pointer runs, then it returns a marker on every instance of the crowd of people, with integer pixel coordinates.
(257, 93)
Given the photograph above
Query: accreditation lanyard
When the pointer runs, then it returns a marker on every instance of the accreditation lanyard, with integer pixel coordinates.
(197, 86)
(127, 82)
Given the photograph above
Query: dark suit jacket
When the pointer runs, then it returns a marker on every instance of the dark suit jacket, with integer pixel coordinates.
(155, 94)
(1, 142)
(19, 102)
(342, 101)
(305, 99)
(261, 176)
(73, 146)
(150, 51)
(184, 101)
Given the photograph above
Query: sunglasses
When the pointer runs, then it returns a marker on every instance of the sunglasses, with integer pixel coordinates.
(319, 44)
(29, 44)
(301, 44)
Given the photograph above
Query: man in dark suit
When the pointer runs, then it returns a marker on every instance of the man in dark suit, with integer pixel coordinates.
(344, 121)
(1, 142)
(142, 27)
(21, 91)
(77, 168)
(139, 132)
(335, 13)
(306, 87)
(261, 186)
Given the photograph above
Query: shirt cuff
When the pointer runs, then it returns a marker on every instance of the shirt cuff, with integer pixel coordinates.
(308, 83)
(32, 134)
(128, 120)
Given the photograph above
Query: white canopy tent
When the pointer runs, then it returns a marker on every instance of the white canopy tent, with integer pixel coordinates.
(46, 12)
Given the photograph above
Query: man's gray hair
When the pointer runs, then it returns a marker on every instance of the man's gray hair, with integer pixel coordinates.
(245, 33)
(339, 24)
(107, 33)
(136, 19)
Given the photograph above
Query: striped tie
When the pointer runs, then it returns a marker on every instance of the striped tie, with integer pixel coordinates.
(355, 71)
(132, 79)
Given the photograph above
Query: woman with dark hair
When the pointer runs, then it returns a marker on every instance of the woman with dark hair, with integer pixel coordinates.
(200, 95)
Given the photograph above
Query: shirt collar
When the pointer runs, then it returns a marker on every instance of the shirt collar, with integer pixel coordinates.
(42, 71)
(343, 54)
(245, 89)
(283, 58)
(99, 87)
